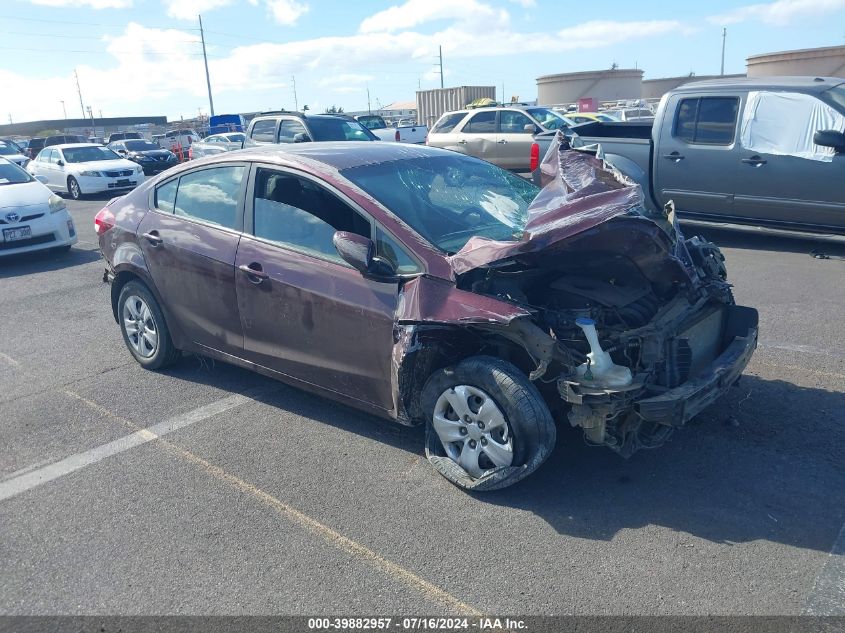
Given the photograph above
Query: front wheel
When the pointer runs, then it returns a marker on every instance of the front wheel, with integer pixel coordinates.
(73, 188)
(487, 425)
(143, 327)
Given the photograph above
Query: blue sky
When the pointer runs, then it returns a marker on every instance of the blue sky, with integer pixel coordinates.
(143, 57)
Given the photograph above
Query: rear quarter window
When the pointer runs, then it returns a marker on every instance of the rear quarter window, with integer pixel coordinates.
(447, 123)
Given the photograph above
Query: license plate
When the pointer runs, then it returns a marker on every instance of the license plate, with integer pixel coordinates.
(19, 233)
(124, 182)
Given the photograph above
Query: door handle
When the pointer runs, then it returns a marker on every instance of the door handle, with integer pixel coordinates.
(462, 142)
(254, 272)
(754, 160)
(502, 142)
(153, 238)
(674, 156)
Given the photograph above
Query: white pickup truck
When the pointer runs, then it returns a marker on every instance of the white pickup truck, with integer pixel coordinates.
(400, 133)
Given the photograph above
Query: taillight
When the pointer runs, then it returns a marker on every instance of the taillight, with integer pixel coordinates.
(535, 156)
(103, 221)
(397, 137)
(190, 153)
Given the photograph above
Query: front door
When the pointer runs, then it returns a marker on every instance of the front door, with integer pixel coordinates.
(784, 177)
(478, 136)
(697, 154)
(514, 139)
(189, 243)
(305, 312)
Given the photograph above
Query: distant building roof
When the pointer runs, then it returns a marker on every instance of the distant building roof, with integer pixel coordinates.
(401, 105)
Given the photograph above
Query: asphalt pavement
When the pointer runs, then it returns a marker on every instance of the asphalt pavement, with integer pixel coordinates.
(206, 489)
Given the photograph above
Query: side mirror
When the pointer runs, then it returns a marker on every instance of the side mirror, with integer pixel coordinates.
(530, 128)
(830, 138)
(60, 163)
(358, 252)
(301, 137)
(42, 179)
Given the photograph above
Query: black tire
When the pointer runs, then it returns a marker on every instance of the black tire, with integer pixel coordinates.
(73, 188)
(165, 353)
(530, 422)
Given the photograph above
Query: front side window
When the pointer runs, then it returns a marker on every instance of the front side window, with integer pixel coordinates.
(264, 131)
(482, 123)
(211, 195)
(389, 249)
(512, 122)
(707, 120)
(298, 213)
(447, 123)
(288, 129)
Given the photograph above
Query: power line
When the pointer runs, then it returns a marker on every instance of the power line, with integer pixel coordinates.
(150, 26)
(119, 52)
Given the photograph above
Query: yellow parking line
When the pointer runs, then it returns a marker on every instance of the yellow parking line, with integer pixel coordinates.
(331, 536)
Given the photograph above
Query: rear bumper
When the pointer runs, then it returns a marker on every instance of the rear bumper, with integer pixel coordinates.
(677, 406)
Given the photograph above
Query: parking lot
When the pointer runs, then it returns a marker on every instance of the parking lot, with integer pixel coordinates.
(206, 489)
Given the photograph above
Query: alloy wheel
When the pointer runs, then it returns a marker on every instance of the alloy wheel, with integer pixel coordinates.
(140, 326)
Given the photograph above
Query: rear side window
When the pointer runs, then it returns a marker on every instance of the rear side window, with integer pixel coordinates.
(264, 131)
(707, 120)
(298, 213)
(166, 196)
(210, 195)
(447, 123)
(481, 123)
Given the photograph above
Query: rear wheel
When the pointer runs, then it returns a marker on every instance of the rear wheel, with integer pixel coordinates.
(487, 425)
(143, 327)
(73, 188)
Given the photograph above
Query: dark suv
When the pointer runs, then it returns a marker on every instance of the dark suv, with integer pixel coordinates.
(61, 139)
(297, 127)
(34, 146)
(122, 136)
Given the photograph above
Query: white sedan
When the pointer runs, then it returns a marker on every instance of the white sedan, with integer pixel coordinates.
(31, 216)
(82, 168)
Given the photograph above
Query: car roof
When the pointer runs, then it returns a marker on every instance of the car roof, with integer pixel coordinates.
(804, 84)
(338, 155)
(72, 145)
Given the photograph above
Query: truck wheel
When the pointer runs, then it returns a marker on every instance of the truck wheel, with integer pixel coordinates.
(487, 425)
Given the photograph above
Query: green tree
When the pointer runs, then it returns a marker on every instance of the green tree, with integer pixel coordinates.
(334, 110)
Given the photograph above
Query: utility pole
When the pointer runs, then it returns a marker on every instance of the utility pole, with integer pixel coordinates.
(79, 90)
(724, 37)
(207, 77)
(369, 109)
(295, 100)
(62, 101)
(441, 65)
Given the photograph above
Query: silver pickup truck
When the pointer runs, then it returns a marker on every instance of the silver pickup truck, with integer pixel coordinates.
(766, 152)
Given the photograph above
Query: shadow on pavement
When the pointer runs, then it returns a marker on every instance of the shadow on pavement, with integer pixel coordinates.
(765, 462)
(45, 261)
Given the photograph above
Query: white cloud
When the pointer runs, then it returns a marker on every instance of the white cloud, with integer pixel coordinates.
(349, 78)
(92, 4)
(779, 13)
(287, 11)
(526, 4)
(190, 9)
(416, 12)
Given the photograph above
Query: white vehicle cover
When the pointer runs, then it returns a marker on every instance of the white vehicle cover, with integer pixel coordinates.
(783, 123)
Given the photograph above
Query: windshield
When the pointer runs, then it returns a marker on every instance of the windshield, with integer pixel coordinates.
(140, 146)
(330, 129)
(449, 199)
(88, 154)
(7, 149)
(11, 174)
(548, 119)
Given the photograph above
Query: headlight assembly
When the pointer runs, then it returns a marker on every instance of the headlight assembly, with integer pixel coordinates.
(92, 174)
(56, 203)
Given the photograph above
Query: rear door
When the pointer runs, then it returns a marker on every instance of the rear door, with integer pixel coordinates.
(697, 153)
(305, 312)
(478, 136)
(189, 242)
(784, 177)
(513, 142)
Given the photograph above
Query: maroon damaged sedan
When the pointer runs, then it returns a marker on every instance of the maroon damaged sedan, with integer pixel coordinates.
(429, 287)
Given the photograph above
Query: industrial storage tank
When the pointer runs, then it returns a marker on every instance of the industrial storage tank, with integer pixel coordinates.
(656, 88)
(433, 103)
(602, 85)
(828, 61)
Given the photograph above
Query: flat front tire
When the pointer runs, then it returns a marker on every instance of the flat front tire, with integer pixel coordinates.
(487, 425)
(143, 327)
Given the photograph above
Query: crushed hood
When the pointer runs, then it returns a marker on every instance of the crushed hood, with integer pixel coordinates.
(581, 193)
